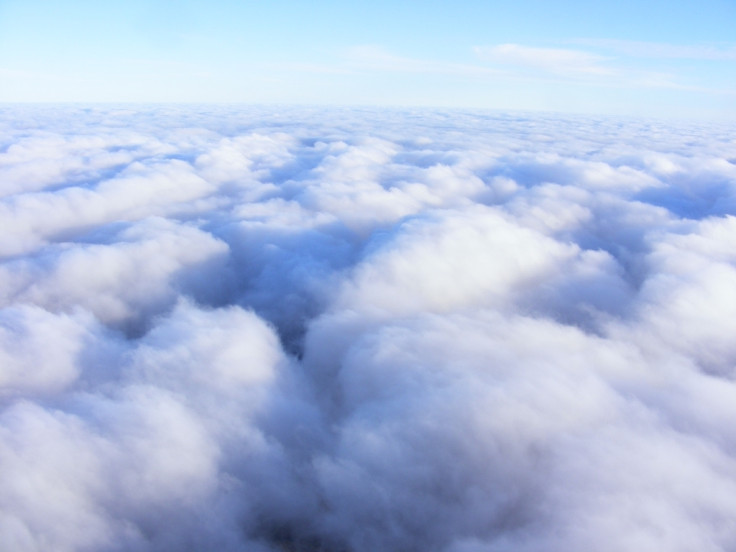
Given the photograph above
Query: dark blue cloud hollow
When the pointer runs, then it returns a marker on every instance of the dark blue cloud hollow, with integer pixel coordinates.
(234, 328)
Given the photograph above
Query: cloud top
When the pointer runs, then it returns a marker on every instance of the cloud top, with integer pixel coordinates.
(354, 330)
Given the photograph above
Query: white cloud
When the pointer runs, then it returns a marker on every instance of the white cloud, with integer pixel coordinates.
(551, 60)
(607, 64)
(663, 50)
(302, 329)
(122, 283)
(374, 57)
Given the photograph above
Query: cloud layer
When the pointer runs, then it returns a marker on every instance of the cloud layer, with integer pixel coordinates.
(354, 330)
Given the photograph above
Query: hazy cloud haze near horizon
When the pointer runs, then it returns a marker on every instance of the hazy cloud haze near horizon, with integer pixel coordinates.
(672, 59)
(273, 329)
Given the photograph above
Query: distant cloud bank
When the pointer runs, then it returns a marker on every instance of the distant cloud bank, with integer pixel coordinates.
(355, 330)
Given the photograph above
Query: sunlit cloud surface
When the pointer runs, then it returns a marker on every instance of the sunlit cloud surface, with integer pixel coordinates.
(354, 330)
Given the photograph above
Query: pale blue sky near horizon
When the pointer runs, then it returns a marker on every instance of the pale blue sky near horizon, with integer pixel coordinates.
(672, 58)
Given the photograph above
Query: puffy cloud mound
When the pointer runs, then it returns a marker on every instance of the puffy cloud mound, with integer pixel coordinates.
(241, 329)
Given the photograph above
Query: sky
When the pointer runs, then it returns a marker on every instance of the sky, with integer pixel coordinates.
(672, 59)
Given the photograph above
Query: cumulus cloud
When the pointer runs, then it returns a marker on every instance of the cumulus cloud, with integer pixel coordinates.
(353, 330)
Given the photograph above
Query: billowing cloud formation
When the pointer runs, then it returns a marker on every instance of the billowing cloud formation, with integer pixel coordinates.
(343, 330)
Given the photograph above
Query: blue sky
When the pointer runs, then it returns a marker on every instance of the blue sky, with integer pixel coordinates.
(672, 59)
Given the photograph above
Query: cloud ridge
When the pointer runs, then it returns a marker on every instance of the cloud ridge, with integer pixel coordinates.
(237, 328)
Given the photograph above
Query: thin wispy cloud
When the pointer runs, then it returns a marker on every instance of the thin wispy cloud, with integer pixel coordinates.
(285, 52)
(556, 61)
(660, 50)
(378, 58)
(616, 69)
(508, 63)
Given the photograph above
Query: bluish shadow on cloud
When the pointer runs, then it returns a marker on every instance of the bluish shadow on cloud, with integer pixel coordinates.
(705, 191)
(237, 328)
